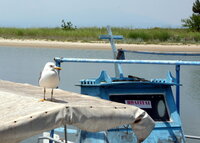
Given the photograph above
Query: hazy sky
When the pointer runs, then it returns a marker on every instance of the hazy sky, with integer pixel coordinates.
(83, 13)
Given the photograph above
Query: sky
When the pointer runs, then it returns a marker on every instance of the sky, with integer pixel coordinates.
(93, 13)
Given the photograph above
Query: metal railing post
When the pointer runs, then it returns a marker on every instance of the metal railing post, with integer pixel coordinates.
(58, 61)
(65, 132)
(51, 135)
(178, 88)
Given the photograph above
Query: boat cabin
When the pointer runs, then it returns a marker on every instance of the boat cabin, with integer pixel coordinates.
(155, 97)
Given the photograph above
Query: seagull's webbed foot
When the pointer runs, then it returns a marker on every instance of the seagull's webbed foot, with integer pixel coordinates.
(44, 99)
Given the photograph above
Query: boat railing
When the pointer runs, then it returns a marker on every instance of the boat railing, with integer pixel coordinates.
(162, 53)
(176, 63)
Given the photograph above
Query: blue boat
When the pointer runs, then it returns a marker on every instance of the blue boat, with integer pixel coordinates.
(154, 96)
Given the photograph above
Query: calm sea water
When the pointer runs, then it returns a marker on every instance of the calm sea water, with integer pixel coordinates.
(24, 65)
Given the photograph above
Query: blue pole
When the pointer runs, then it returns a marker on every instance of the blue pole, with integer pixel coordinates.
(161, 62)
(58, 62)
(51, 135)
(178, 88)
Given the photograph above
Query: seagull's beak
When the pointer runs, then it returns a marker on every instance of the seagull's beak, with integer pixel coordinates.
(57, 68)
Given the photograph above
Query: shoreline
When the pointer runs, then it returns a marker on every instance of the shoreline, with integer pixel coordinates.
(179, 48)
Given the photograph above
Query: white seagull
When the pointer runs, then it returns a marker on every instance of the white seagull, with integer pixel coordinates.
(49, 78)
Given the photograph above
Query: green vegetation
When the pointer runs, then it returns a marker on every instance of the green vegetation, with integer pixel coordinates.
(154, 35)
(67, 25)
(193, 22)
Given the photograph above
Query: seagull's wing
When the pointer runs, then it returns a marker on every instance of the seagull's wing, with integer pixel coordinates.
(40, 77)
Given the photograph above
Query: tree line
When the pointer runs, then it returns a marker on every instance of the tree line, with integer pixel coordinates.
(193, 22)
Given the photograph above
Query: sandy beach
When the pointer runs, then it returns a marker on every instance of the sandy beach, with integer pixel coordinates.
(105, 46)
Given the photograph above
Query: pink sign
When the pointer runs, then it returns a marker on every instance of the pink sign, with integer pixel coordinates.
(139, 103)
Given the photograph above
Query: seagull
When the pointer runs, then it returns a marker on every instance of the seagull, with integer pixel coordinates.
(49, 78)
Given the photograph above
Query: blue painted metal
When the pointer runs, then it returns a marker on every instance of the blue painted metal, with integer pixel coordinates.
(163, 53)
(90, 137)
(104, 85)
(58, 62)
(168, 80)
(161, 62)
(193, 137)
(65, 132)
(178, 88)
(103, 78)
(117, 37)
(111, 38)
(109, 61)
(164, 131)
(69, 131)
(51, 135)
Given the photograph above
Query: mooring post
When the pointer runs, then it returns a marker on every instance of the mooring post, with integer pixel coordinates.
(178, 88)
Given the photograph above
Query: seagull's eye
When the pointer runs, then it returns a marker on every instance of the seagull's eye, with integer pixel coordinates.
(51, 66)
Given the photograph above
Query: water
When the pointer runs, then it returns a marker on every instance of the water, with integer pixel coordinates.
(24, 65)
